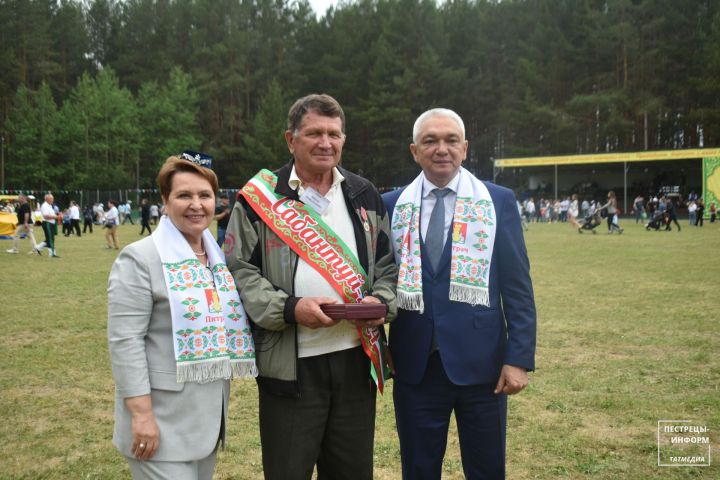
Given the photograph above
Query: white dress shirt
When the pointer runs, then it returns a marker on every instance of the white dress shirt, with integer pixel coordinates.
(309, 283)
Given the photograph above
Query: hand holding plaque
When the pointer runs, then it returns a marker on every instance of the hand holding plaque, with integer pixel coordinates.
(354, 311)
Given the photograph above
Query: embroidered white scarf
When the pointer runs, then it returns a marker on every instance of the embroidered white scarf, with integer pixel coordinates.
(473, 237)
(211, 331)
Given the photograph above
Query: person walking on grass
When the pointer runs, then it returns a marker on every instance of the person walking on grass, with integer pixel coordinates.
(145, 216)
(700, 212)
(127, 209)
(154, 213)
(573, 212)
(692, 212)
(74, 212)
(98, 214)
(671, 215)
(523, 222)
(111, 225)
(530, 210)
(24, 225)
(639, 208)
(49, 225)
(66, 222)
(88, 219)
(611, 209)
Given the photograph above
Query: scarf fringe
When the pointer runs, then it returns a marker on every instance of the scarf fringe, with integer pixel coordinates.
(244, 368)
(474, 216)
(410, 301)
(473, 296)
(204, 372)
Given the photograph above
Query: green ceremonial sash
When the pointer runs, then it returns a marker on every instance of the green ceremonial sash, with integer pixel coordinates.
(302, 229)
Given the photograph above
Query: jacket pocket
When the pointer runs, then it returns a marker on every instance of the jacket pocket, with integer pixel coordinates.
(164, 381)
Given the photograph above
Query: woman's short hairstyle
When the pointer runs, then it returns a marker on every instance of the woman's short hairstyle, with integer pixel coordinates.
(175, 165)
(322, 104)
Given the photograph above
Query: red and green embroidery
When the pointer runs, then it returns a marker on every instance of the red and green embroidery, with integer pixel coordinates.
(201, 344)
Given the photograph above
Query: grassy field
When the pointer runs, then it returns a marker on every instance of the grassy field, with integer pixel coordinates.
(628, 334)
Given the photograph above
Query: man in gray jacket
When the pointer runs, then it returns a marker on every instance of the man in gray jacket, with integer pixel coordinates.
(317, 398)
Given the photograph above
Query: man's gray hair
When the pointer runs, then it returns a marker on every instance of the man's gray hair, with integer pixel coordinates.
(437, 112)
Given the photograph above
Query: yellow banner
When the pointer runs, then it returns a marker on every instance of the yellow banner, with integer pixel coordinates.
(711, 182)
(608, 158)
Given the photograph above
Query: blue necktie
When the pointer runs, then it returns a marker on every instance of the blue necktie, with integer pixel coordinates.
(435, 236)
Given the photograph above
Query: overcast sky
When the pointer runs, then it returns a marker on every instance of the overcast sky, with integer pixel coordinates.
(321, 6)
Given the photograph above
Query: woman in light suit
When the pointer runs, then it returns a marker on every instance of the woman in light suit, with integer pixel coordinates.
(169, 303)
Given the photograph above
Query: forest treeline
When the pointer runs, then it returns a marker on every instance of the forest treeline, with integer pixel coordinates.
(97, 93)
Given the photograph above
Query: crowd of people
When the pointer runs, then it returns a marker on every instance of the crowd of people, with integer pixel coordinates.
(585, 215)
(50, 216)
(657, 212)
(660, 212)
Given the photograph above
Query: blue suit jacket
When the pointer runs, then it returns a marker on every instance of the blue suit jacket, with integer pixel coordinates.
(474, 341)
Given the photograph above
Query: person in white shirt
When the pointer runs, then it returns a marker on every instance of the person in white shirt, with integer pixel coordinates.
(530, 210)
(112, 219)
(127, 213)
(99, 213)
(317, 400)
(75, 218)
(121, 212)
(49, 225)
(585, 208)
(692, 212)
(521, 211)
(573, 212)
(154, 213)
(564, 207)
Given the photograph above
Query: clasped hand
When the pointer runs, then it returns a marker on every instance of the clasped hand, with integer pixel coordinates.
(309, 314)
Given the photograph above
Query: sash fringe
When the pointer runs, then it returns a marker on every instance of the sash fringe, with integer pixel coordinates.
(473, 296)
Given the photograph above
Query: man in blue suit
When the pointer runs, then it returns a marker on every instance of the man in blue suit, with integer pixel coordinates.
(464, 337)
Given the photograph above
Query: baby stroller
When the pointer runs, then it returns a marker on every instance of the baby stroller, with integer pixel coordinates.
(658, 220)
(590, 222)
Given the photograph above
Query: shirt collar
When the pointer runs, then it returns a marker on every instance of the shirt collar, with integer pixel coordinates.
(296, 184)
(428, 186)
